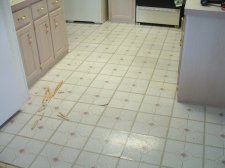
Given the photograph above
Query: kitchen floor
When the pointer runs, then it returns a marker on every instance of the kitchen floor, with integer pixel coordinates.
(119, 93)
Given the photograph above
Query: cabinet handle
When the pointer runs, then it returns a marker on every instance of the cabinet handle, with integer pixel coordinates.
(41, 9)
(29, 39)
(47, 28)
(56, 2)
(22, 18)
(56, 23)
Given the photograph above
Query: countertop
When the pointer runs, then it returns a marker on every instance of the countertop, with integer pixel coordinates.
(20, 4)
(194, 7)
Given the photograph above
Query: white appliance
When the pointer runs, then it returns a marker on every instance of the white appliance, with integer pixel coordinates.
(86, 10)
(13, 86)
(157, 12)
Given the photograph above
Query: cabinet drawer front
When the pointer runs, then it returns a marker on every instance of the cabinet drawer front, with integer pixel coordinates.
(39, 9)
(54, 4)
(22, 17)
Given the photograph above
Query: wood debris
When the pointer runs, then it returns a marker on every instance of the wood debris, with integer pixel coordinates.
(57, 88)
(34, 124)
(63, 116)
(46, 99)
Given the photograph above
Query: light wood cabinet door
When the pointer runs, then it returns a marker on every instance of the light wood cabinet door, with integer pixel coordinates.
(44, 42)
(122, 11)
(29, 53)
(59, 37)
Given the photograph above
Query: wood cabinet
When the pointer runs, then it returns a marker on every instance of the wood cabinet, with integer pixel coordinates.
(42, 37)
(58, 30)
(44, 42)
(29, 52)
(122, 11)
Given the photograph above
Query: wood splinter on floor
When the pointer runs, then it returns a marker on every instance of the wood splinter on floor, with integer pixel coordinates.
(47, 97)
(57, 88)
(63, 116)
(34, 124)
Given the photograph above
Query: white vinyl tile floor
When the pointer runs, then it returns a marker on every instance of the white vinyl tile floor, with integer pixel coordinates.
(119, 92)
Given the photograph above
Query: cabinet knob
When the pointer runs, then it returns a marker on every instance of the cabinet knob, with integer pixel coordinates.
(47, 28)
(56, 2)
(56, 23)
(22, 18)
(29, 39)
(41, 9)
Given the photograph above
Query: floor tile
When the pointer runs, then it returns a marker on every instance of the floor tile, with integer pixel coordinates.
(133, 164)
(40, 87)
(54, 107)
(169, 65)
(87, 47)
(144, 62)
(186, 130)
(170, 55)
(70, 92)
(90, 67)
(107, 141)
(154, 46)
(106, 82)
(215, 135)
(56, 75)
(112, 40)
(72, 135)
(214, 157)
(91, 160)
(99, 57)
(147, 149)
(44, 129)
(33, 104)
(5, 138)
(95, 39)
(56, 156)
(182, 154)
(86, 113)
(118, 119)
(124, 100)
(161, 89)
(151, 124)
(80, 78)
(133, 85)
(148, 52)
(165, 76)
(127, 50)
(96, 96)
(68, 64)
(132, 42)
(114, 69)
(21, 151)
(188, 111)
(139, 73)
(157, 105)
(78, 55)
(103, 48)
(16, 123)
(215, 115)
(121, 59)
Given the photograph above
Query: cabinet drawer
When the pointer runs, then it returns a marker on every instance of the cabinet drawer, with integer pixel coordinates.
(54, 4)
(22, 17)
(39, 9)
